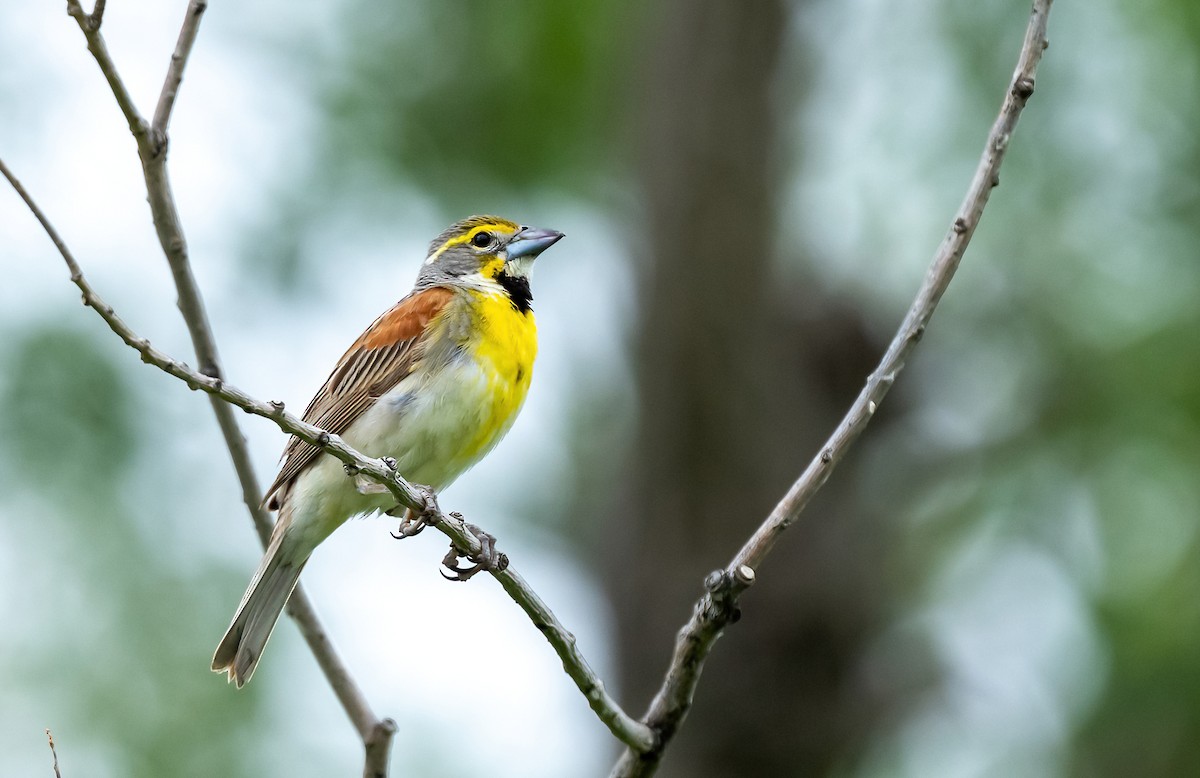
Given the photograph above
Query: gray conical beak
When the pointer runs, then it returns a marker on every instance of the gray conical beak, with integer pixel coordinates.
(531, 241)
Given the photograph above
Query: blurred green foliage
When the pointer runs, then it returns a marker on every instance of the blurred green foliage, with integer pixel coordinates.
(1056, 399)
(69, 422)
(1067, 353)
(125, 671)
(476, 99)
(468, 103)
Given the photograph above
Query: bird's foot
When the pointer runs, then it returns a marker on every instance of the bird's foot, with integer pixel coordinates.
(413, 523)
(410, 524)
(488, 558)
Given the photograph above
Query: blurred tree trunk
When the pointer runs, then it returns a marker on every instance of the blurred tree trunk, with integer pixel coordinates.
(739, 379)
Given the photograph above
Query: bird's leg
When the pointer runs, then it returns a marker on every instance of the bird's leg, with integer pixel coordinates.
(488, 558)
(412, 523)
(409, 525)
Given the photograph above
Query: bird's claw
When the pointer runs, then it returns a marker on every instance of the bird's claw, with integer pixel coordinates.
(412, 523)
(488, 558)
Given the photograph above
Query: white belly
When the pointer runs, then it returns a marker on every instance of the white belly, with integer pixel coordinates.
(431, 427)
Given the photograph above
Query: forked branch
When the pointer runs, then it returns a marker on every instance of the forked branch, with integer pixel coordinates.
(152, 142)
(646, 739)
(718, 607)
(623, 726)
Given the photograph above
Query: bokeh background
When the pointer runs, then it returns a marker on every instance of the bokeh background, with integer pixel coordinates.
(1001, 580)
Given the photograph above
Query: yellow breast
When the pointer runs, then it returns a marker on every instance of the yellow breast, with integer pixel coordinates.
(504, 342)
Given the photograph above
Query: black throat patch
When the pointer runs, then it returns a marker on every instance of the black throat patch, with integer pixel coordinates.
(518, 290)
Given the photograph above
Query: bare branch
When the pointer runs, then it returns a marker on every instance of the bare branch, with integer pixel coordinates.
(627, 729)
(152, 151)
(183, 49)
(351, 697)
(152, 145)
(718, 608)
(90, 25)
(623, 726)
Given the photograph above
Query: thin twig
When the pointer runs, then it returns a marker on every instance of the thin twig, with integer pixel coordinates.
(627, 729)
(623, 726)
(90, 25)
(718, 608)
(152, 151)
(183, 49)
(152, 145)
(53, 753)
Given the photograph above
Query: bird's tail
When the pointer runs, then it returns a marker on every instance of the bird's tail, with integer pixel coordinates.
(272, 584)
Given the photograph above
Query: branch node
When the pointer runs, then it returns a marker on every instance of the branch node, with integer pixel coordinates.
(718, 609)
(744, 574)
(826, 456)
(378, 744)
(96, 16)
(431, 513)
(1023, 86)
(323, 439)
(276, 407)
(158, 151)
(960, 225)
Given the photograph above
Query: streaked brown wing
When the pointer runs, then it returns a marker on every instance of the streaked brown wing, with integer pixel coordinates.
(380, 358)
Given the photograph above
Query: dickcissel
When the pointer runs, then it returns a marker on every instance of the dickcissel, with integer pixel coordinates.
(434, 383)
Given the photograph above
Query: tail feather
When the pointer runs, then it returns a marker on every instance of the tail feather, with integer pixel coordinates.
(239, 651)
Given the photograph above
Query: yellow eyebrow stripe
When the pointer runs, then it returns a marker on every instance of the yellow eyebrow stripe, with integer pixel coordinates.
(490, 227)
(467, 236)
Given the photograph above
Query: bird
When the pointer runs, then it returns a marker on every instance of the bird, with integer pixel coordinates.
(433, 383)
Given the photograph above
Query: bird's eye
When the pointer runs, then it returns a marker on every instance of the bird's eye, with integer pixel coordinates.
(482, 240)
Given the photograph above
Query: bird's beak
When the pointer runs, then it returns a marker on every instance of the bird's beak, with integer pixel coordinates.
(531, 241)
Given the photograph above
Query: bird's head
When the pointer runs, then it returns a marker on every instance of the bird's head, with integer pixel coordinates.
(483, 250)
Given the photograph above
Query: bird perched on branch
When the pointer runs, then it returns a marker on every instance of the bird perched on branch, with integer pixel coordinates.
(433, 383)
